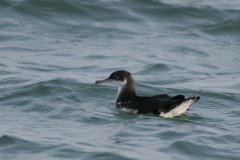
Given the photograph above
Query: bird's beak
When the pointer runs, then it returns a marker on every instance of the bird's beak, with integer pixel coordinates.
(102, 81)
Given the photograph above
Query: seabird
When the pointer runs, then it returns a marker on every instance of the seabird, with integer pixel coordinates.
(162, 104)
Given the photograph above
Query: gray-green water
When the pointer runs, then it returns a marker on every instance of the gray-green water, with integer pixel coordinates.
(52, 52)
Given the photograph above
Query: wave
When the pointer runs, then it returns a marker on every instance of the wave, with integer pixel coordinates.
(80, 20)
(13, 145)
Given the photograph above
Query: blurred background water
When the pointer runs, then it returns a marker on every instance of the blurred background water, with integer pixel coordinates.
(52, 52)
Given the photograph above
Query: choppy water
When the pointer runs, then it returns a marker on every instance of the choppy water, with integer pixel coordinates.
(52, 52)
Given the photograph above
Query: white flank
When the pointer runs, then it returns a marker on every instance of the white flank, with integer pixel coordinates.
(129, 110)
(178, 110)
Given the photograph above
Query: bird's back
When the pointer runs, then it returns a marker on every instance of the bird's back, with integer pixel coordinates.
(156, 104)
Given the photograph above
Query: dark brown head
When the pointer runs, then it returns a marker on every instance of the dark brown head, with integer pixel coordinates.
(119, 78)
(124, 81)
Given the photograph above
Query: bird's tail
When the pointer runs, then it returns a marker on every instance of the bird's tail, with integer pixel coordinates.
(181, 108)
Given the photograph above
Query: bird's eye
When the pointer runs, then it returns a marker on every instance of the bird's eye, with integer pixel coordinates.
(115, 77)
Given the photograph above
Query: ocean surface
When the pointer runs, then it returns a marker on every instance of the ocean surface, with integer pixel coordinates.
(53, 51)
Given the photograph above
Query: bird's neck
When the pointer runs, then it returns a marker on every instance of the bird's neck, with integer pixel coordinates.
(126, 92)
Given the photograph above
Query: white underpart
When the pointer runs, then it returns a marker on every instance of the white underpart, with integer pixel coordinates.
(178, 110)
(129, 110)
(119, 84)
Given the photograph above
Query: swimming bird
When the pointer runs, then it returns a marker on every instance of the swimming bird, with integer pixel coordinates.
(162, 104)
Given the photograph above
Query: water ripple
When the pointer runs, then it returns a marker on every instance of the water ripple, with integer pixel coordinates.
(52, 52)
